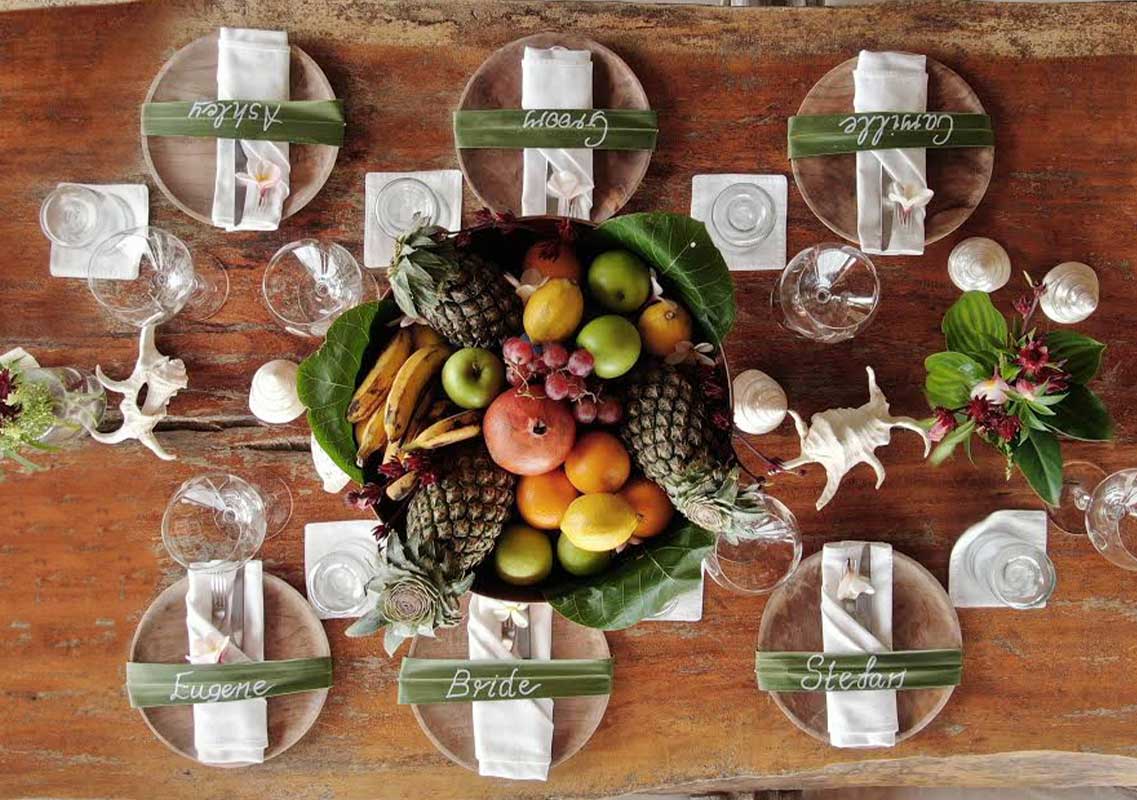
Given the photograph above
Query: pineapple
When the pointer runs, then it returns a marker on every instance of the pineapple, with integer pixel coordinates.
(465, 509)
(462, 295)
(669, 433)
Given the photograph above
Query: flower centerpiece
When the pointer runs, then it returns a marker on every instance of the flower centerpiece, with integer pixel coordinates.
(1014, 387)
(27, 413)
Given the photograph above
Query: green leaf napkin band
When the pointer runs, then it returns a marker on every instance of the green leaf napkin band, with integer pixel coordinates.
(423, 680)
(594, 129)
(299, 121)
(830, 672)
(186, 684)
(830, 134)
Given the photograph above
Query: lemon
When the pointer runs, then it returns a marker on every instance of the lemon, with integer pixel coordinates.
(598, 522)
(554, 311)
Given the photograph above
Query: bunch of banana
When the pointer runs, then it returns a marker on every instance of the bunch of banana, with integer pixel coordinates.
(372, 392)
(455, 428)
(411, 382)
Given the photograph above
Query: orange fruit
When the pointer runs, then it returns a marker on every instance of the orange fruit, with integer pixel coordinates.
(542, 499)
(598, 462)
(664, 325)
(553, 259)
(652, 505)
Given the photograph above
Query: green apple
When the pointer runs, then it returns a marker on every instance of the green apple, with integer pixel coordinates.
(581, 562)
(523, 555)
(614, 344)
(473, 377)
(619, 281)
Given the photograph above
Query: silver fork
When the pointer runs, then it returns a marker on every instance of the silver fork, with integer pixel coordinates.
(218, 599)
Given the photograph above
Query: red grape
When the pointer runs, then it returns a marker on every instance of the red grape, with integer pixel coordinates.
(518, 374)
(585, 410)
(610, 411)
(517, 351)
(557, 386)
(555, 355)
(580, 363)
(576, 387)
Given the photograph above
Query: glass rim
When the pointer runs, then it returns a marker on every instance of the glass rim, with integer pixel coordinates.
(277, 259)
(788, 517)
(852, 329)
(146, 233)
(222, 565)
(767, 200)
(405, 180)
(1041, 557)
(53, 195)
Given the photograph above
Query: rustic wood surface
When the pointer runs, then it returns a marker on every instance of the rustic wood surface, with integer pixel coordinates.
(1047, 696)
(293, 631)
(451, 725)
(922, 619)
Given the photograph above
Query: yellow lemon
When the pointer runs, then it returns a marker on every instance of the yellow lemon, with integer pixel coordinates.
(663, 325)
(554, 311)
(599, 522)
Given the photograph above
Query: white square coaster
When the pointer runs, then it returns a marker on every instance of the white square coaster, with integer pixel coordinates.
(965, 591)
(687, 607)
(72, 262)
(321, 538)
(768, 254)
(378, 247)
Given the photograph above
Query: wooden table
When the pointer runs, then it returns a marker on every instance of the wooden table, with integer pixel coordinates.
(1048, 696)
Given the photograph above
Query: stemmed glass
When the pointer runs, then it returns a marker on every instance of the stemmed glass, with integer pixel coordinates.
(217, 522)
(762, 558)
(168, 280)
(78, 216)
(404, 204)
(309, 283)
(828, 292)
(1104, 507)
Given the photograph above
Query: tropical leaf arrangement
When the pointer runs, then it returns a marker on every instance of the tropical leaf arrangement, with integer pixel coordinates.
(1015, 388)
(448, 497)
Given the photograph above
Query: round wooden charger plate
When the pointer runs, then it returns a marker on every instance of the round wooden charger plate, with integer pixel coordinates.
(495, 175)
(959, 176)
(184, 166)
(923, 618)
(291, 631)
(450, 726)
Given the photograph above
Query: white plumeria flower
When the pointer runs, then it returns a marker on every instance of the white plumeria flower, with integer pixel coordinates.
(656, 289)
(853, 585)
(530, 281)
(908, 197)
(212, 649)
(687, 352)
(407, 321)
(504, 610)
(263, 176)
(993, 390)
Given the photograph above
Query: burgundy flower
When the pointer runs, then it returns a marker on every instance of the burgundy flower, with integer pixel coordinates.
(1007, 428)
(380, 532)
(1033, 356)
(364, 498)
(945, 423)
(1028, 303)
(1057, 381)
(5, 383)
(392, 470)
(721, 420)
(980, 411)
(713, 389)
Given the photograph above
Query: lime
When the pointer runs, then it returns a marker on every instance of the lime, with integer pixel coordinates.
(580, 562)
(523, 555)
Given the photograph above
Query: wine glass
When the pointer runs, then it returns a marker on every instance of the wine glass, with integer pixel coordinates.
(309, 283)
(1019, 574)
(78, 402)
(762, 558)
(742, 215)
(828, 292)
(216, 522)
(1104, 507)
(404, 204)
(79, 216)
(168, 281)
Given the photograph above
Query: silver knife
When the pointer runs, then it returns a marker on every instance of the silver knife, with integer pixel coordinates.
(237, 618)
(863, 613)
(887, 210)
(522, 640)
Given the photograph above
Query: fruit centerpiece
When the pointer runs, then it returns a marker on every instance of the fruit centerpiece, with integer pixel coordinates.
(538, 409)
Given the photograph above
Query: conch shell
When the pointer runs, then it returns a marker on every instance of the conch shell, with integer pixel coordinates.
(979, 264)
(1071, 292)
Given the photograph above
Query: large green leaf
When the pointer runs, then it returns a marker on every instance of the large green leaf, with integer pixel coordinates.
(1039, 456)
(1082, 415)
(682, 250)
(1081, 354)
(639, 586)
(974, 326)
(951, 377)
(328, 378)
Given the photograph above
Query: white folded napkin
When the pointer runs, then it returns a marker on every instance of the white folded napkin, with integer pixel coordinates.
(868, 718)
(889, 82)
(251, 65)
(75, 262)
(378, 247)
(512, 738)
(556, 78)
(770, 253)
(321, 538)
(964, 590)
(234, 732)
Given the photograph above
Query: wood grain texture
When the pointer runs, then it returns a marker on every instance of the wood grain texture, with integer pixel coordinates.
(80, 553)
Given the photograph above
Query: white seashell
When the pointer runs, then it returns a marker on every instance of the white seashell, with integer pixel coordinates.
(334, 478)
(979, 264)
(759, 402)
(272, 396)
(1072, 292)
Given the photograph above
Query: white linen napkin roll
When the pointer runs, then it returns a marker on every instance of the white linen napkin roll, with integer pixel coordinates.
(512, 738)
(556, 78)
(251, 65)
(868, 718)
(889, 82)
(235, 732)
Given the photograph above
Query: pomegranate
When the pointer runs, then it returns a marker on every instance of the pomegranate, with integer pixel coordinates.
(527, 433)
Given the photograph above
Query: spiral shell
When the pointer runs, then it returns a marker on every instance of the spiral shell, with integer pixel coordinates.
(1071, 292)
(272, 396)
(759, 402)
(979, 264)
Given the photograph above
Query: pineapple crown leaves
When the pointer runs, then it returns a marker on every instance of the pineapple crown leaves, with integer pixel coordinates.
(723, 506)
(423, 259)
(418, 592)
